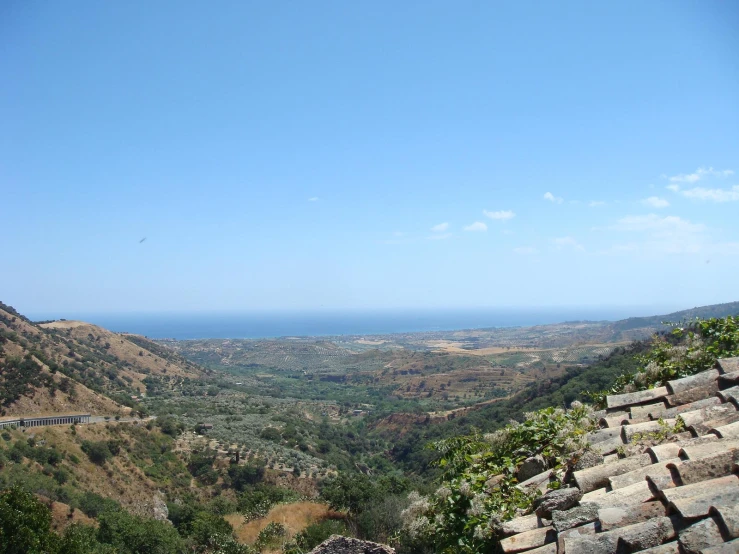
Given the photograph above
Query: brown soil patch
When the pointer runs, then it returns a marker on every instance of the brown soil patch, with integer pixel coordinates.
(62, 324)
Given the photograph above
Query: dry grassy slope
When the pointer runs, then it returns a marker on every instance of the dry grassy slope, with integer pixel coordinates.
(120, 478)
(41, 401)
(295, 516)
(89, 355)
(138, 359)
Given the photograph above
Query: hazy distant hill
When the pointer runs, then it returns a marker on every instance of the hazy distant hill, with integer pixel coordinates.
(656, 321)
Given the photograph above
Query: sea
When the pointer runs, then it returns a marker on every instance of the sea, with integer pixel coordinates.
(260, 325)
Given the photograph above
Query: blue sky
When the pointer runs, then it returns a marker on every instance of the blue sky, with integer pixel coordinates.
(354, 155)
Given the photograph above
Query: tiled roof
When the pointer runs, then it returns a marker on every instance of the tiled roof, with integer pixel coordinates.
(647, 487)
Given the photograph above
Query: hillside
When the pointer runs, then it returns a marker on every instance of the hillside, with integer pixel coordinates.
(70, 366)
(656, 322)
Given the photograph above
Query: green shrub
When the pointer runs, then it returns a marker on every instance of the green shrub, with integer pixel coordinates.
(242, 476)
(458, 516)
(93, 504)
(315, 534)
(131, 534)
(271, 535)
(97, 452)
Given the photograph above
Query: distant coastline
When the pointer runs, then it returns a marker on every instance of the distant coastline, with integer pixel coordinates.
(317, 324)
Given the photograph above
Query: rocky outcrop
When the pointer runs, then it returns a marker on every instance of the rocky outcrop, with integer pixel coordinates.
(337, 544)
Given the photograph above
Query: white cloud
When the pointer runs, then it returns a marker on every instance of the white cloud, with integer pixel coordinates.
(476, 226)
(313, 199)
(399, 234)
(655, 202)
(654, 222)
(700, 173)
(673, 188)
(440, 228)
(555, 199)
(440, 236)
(596, 203)
(525, 250)
(500, 215)
(569, 242)
(714, 195)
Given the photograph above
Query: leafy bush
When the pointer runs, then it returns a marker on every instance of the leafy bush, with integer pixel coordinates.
(130, 534)
(97, 452)
(271, 535)
(200, 466)
(256, 502)
(458, 516)
(315, 534)
(244, 475)
(93, 504)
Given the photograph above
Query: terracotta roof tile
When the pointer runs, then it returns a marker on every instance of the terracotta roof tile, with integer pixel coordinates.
(550, 548)
(595, 477)
(575, 532)
(602, 435)
(664, 452)
(528, 540)
(633, 538)
(627, 496)
(729, 482)
(699, 506)
(667, 548)
(707, 414)
(639, 475)
(521, 524)
(660, 452)
(540, 482)
(694, 381)
(731, 547)
(644, 410)
(613, 518)
(628, 431)
(728, 365)
(612, 422)
(661, 483)
(692, 395)
(609, 446)
(677, 410)
(701, 535)
(727, 516)
(630, 398)
(708, 467)
(705, 428)
(727, 394)
(728, 379)
(579, 515)
(730, 431)
(698, 450)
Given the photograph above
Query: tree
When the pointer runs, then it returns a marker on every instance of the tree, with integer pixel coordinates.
(82, 539)
(130, 534)
(247, 474)
(25, 524)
